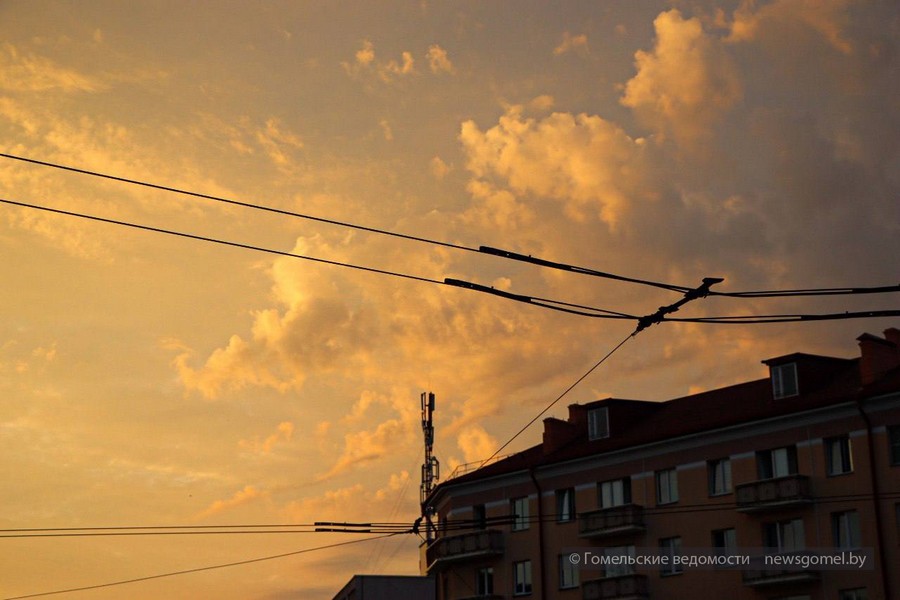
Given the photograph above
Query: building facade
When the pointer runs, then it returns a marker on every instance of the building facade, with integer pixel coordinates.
(802, 466)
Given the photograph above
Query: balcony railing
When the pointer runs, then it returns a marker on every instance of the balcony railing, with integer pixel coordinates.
(768, 494)
(464, 546)
(623, 587)
(616, 520)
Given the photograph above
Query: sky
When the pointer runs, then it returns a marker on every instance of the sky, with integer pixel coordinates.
(148, 380)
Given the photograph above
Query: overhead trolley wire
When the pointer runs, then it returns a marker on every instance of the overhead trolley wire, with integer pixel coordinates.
(196, 570)
(222, 200)
(481, 249)
(213, 240)
(550, 304)
(679, 288)
(558, 398)
(543, 302)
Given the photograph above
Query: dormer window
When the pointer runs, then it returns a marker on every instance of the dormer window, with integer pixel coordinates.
(598, 423)
(784, 380)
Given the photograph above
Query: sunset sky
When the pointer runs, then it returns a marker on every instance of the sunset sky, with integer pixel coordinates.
(151, 380)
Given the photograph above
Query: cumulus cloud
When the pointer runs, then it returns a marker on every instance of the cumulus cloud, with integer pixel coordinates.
(579, 160)
(438, 61)
(313, 327)
(476, 443)
(686, 83)
(365, 61)
(438, 168)
(824, 19)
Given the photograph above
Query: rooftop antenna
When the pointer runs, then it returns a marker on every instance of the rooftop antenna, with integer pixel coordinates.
(431, 466)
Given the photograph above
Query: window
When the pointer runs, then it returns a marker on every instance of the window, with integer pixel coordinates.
(565, 505)
(626, 567)
(784, 536)
(568, 573)
(519, 508)
(479, 517)
(598, 423)
(666, 486)
(615, 493)
(854, 594)
(522, 578)
(845, 529)
(724, 541)
(837, 455)
(670, 547)
(485, 583)
(719, 476)
(894, 437)
(784, 381)
(778, 462)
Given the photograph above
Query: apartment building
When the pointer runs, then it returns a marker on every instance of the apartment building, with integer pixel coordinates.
(801, 464)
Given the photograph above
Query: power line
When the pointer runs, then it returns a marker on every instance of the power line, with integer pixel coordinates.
(558, 398)
(544, 302)
(216, 241)
(288, 213)
(195, 570)
(588, 311)
(550, 304)
(481, 249)
(679, 288)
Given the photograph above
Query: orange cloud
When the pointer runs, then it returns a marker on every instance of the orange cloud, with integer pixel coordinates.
(438, 61)
(686, 83)
(27, 72)
(578, 160)
(283, 433)
(572, 43)
(240, 498)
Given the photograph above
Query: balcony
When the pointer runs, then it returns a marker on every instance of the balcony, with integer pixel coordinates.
(771, 494)
(465, 546)
(623, 587)
(616, 520)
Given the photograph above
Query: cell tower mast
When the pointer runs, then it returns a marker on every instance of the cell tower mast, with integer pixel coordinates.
(431, 466)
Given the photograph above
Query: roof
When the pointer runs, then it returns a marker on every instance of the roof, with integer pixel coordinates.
(833, 381)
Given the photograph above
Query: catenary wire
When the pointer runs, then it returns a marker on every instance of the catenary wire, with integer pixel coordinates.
(167, 188)
(542, 302)
(555, 305)
(558, 398)
(679, 288)
(456, 524)
(195, 570)
(482, 249)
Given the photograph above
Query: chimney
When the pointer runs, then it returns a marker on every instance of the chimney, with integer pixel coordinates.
(557, 433)
(877, 355)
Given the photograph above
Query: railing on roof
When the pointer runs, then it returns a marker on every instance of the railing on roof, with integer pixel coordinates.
(474, 466)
